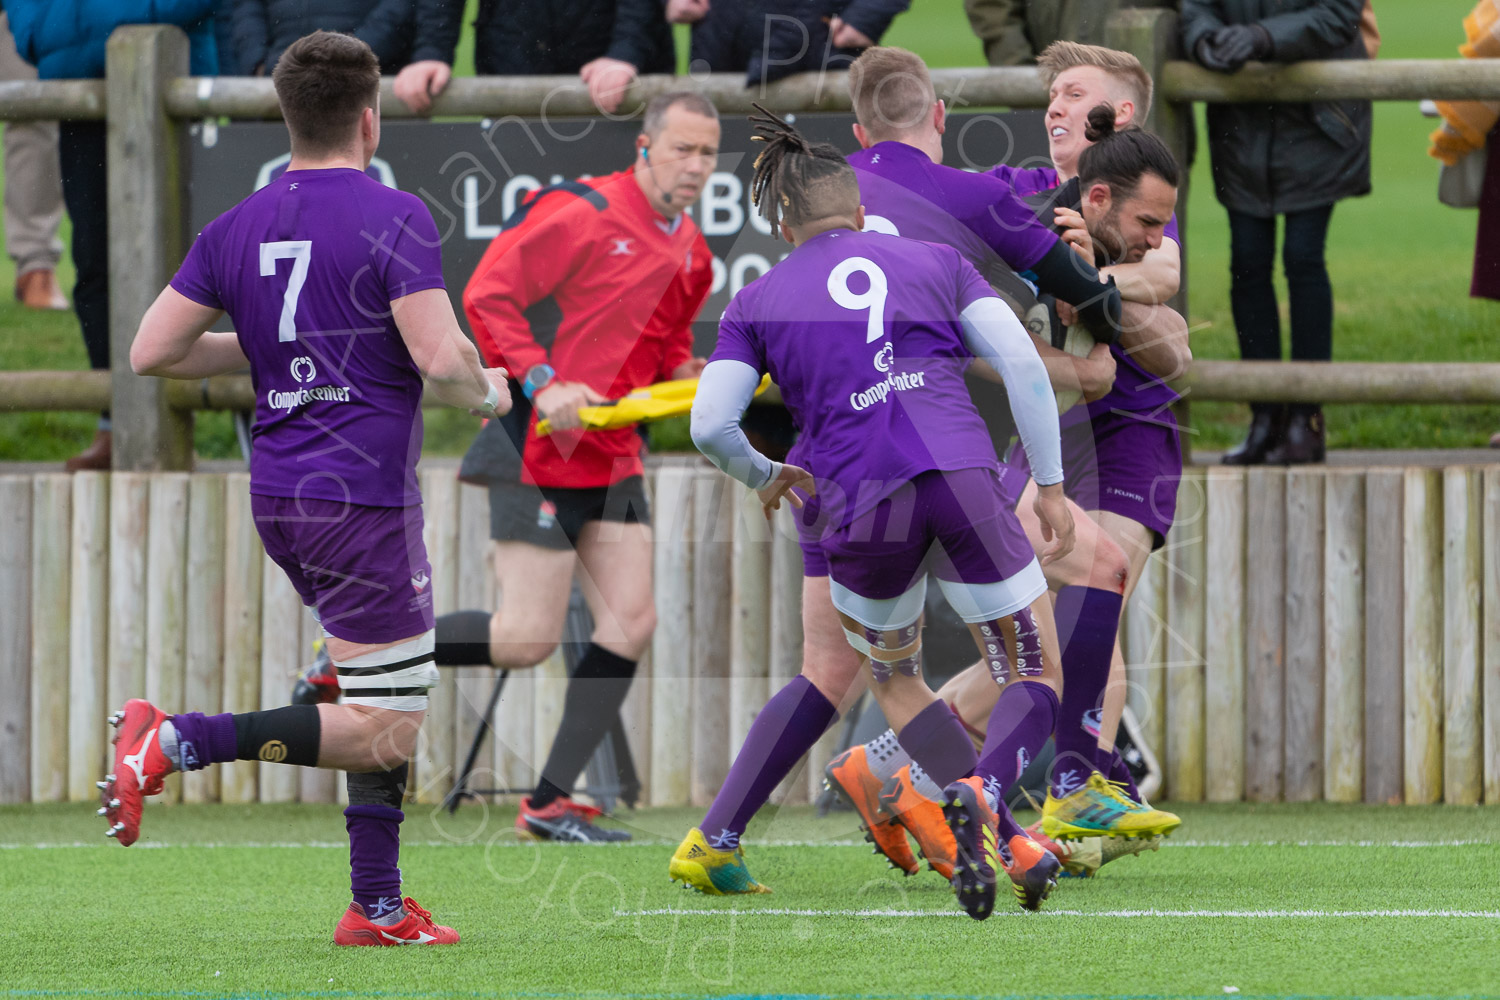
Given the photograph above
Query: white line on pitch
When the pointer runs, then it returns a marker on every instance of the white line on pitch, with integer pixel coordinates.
(1233, 914)
(509, 842)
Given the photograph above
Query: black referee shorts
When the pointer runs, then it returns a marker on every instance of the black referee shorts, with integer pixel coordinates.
(553, 516)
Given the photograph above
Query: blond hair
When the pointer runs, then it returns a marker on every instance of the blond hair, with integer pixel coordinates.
(891, 91)
(1123, 67)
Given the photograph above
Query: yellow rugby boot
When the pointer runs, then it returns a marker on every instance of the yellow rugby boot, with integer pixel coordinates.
(711, 871)
(1098, 808)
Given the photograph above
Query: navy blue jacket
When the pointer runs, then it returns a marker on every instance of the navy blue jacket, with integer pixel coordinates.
(64, 39)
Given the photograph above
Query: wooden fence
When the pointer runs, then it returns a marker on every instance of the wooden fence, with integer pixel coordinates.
(1306, 634)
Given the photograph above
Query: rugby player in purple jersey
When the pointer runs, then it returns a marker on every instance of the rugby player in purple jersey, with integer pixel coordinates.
(1120, 452)
(334, 285)
(907, 191)
(869, 336)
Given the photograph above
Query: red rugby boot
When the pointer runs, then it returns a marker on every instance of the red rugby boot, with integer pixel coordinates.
(355, 929)
(139, 769)
(850, 776)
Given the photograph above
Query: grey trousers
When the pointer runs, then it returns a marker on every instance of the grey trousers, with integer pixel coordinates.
(33, 181)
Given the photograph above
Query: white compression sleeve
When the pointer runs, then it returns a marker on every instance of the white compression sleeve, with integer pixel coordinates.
(725, 389)
(994, 334)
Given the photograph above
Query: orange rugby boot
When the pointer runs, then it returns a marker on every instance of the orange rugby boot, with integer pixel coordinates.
(923, 819)
(849, 775)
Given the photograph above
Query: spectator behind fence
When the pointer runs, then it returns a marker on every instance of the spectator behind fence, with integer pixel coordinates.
(1294, 160)
(606, 42)
(770, 39)
(1014, 32)
(65, 39)
(264, 28)
(33, 194)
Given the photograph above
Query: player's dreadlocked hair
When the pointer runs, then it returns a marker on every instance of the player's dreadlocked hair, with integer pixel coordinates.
(795, 180)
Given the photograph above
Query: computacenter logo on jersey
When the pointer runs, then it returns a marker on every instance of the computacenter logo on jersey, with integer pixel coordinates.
(878, 393)
(323, 393)
(303, 370)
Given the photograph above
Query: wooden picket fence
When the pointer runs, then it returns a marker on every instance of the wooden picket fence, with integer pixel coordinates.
(1306, 634)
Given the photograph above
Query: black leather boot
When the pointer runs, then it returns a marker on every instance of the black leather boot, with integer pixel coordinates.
(1267, 422)
(1303, 442)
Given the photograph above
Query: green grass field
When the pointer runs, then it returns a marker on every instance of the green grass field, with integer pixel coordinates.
(1399, 260)
(1279, 900)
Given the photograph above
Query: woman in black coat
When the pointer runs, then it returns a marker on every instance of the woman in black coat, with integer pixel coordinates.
(264, 28)
(1294, 160)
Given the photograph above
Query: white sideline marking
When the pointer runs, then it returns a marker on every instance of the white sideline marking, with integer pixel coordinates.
(652, 843)
(1237, 914)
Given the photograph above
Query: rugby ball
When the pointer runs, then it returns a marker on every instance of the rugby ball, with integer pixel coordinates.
(1077, 341)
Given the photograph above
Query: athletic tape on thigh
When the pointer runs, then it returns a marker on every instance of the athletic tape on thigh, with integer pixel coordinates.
(1028, 645)
(396, 677)
(983, 602)
(992, 647)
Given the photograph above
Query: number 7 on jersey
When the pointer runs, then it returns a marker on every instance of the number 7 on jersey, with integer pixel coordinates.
(300, 252)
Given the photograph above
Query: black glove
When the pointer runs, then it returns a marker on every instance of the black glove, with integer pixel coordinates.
(1237, 44)
(1207, 57)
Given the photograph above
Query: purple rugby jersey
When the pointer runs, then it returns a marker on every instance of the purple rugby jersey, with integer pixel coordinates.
(907, 194)
(307, 268)
(1136, 390)
(861, 333)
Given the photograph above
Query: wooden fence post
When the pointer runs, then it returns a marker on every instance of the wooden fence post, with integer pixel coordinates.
(786, 630)
(1183, 754)
(750, 624)
(1265, 605)
(1303, 706)
(15, 639)
(440, 537)
(51, 526)
(1224, 639)
(203, 683)
(145, 235)
(1422, 538)
(166, 599)
(1463, 713)
(1490, 646)
(88, 635)
(1146, 651)
(128, 513)
(1385, 749)
(243, 560)
(1343, 635)
(672, 645)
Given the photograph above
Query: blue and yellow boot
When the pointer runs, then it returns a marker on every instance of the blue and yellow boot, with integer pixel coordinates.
(1097, 808)
(711, 871)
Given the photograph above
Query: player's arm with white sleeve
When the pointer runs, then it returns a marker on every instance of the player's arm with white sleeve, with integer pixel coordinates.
(995, 336)
(725, 390)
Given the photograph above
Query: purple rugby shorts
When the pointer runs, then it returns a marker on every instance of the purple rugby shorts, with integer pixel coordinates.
(364, 569)
(958, 526)
(1126, 463)
(812, 527)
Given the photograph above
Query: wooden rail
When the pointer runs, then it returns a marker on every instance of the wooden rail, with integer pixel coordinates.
(1270, 381)
(1312, 634)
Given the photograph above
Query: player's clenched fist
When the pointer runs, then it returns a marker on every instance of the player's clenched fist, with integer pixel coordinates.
(789, 478)
(560, 402)
(1057, 522)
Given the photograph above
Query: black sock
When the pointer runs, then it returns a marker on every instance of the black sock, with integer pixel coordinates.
(462, 640)
(595, 694)
(287, 735)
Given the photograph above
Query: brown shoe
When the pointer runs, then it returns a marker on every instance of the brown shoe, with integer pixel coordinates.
(39, 290)
(93, 458)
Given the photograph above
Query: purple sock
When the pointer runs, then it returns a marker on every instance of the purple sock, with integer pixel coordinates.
(1087, 620)
(374, 853)
(935, 739)
(784, 730)
(204, 739)
(1020, 723)
(1113, 767)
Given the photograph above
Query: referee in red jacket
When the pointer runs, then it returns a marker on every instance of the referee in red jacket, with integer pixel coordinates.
(588, 292)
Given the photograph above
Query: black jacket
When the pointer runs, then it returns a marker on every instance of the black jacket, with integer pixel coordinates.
(1274, 158)
(770, 39)
(264, 28)
(524, 37)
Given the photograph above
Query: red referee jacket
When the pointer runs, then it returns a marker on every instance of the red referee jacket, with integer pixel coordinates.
(586, 276)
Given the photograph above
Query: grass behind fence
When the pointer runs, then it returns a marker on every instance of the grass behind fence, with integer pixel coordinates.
(1399, 262)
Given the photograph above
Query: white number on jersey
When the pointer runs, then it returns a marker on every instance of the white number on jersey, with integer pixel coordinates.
(880, 224)
(873, 299)
(300, 251)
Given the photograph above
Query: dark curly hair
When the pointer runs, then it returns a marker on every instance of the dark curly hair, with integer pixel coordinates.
(797, 181)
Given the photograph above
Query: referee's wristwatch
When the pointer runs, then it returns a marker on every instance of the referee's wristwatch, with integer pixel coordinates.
(537, 379)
